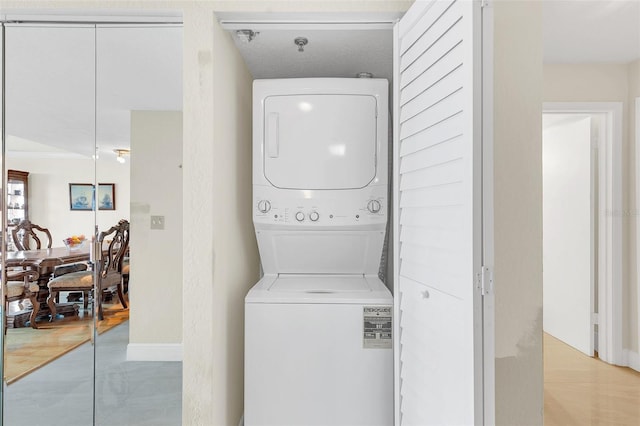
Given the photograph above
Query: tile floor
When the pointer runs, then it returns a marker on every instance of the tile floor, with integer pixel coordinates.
(127, 393)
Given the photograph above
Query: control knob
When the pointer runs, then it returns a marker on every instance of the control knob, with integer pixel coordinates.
(264, 206)
(299, 216)
(374, 206)
(314, 216)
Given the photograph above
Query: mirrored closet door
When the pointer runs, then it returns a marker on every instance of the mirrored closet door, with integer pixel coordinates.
(50, 127)
(139, 136)
(91, 114)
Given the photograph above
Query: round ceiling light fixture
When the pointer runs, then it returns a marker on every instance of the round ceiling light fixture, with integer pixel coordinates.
(120, 153)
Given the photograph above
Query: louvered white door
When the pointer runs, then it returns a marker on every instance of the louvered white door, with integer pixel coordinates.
(438, 239)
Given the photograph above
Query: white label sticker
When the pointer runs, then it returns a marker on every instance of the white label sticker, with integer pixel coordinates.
(376, 330)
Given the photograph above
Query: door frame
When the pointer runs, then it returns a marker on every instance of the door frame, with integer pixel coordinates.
(488, 242)
(633, 358)
(609, 318)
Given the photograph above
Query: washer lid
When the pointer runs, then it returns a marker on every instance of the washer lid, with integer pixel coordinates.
(319, 289)
(320, 141)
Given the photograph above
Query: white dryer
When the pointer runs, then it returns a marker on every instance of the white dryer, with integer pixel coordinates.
(318, 325)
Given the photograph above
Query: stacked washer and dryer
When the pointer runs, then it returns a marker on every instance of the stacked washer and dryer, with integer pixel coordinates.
(318, 325)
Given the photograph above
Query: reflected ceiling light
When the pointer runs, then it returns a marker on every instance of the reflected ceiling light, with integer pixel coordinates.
(338, 149)
(305, 106)
(120, 153)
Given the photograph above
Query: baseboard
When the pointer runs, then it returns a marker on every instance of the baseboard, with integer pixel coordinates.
(633, 359)
(154, 352)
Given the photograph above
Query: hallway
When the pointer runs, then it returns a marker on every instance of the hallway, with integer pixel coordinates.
(579, 390)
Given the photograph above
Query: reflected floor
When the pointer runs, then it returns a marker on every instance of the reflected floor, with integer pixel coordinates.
(27, 349)
(128, 392)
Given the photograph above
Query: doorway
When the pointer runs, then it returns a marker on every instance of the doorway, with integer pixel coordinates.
(582, 143)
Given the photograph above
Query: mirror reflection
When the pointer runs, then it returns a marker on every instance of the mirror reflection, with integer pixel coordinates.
(87, 107)
(50, 140)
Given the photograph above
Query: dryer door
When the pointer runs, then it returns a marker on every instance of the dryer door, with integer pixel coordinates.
(320, 141)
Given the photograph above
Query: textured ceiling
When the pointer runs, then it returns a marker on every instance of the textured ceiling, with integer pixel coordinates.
(329, 53)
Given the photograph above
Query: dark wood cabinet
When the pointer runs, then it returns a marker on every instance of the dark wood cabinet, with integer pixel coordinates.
(17, 196)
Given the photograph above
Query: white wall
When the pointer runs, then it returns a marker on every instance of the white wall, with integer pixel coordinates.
(634, 190)
(155, 283)
(518, 211)
(221, 268)
(49, 181)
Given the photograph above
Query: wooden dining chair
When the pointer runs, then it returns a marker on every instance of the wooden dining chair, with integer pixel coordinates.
(126, 267)
(67, 269)
(22, 283)
(29, 236)
(114, 243)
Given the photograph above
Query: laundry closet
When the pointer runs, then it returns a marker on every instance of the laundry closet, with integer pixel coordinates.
(434, 181)
(357, 49)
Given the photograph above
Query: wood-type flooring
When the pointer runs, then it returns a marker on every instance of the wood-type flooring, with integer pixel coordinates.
(27, 349)
(580, 390)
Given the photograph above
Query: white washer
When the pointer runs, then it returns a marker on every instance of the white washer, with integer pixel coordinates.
(313, 356)
(318, 342)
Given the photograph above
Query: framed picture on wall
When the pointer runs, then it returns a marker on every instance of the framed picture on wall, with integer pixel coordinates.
(81, 196)
(106, 196)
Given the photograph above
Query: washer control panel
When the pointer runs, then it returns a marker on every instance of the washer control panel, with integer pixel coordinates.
(320, 208)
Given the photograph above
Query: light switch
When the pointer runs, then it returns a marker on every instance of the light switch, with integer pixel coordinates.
(157, 222)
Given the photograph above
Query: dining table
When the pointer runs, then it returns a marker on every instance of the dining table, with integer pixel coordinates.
(45, 261)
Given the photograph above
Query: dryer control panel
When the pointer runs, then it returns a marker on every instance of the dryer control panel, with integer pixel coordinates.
(311, 208)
